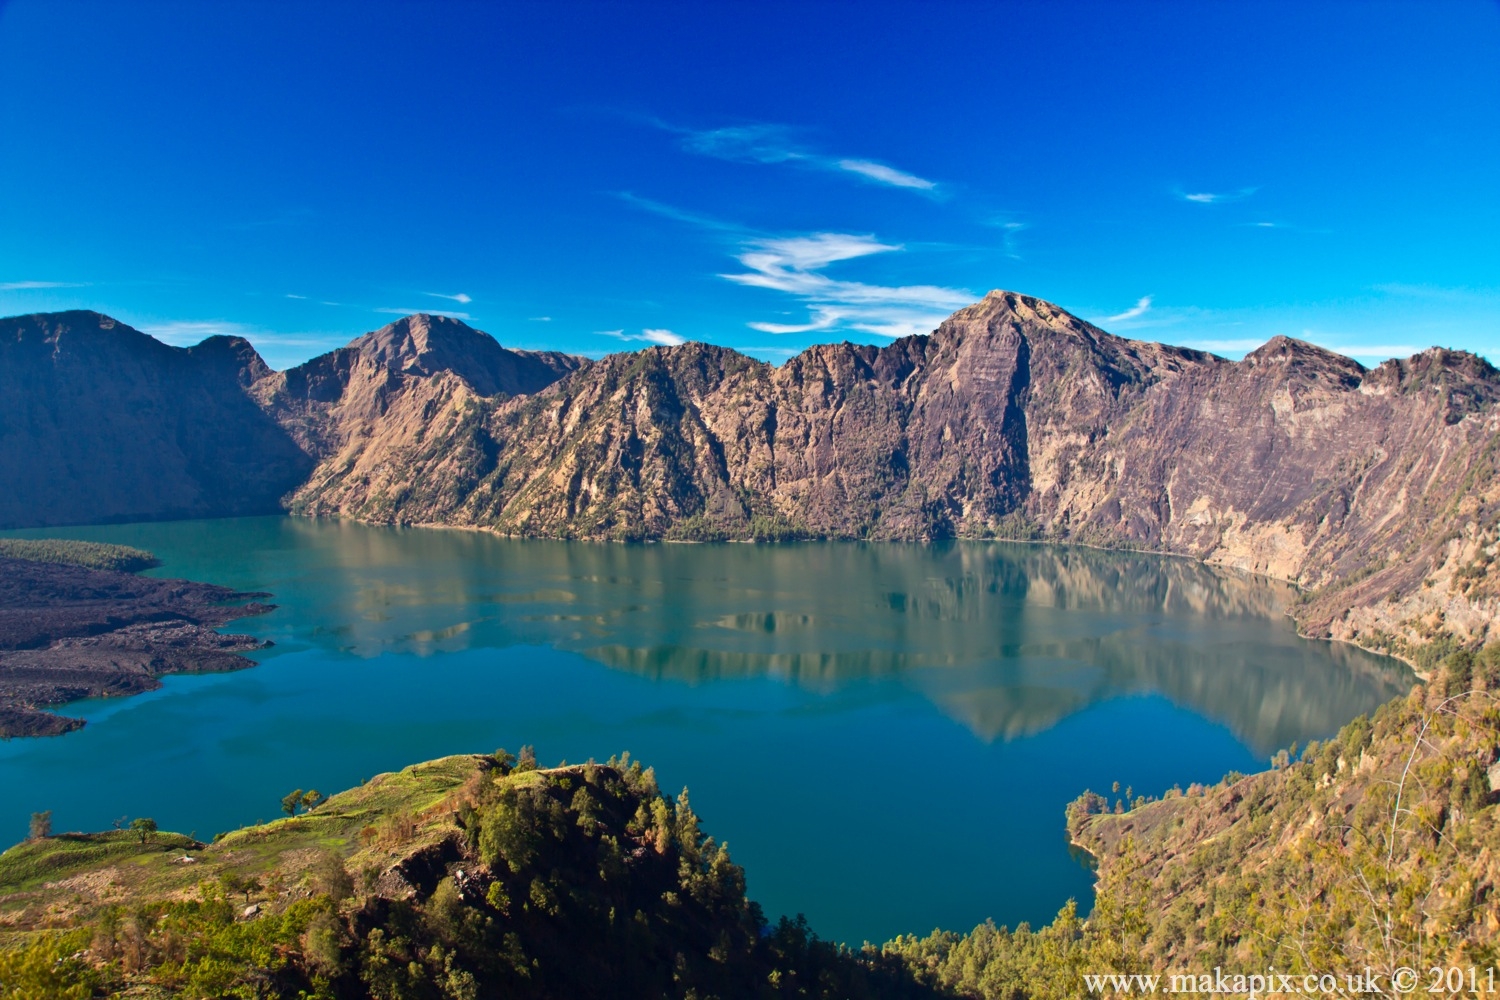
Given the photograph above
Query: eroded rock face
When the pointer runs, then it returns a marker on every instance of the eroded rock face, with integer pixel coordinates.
(1376, 489)
(99, 422)
(1013, 419)
(413, 366)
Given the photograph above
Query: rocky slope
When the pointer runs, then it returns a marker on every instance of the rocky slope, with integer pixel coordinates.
(1376, 490)
(396, 380)
(99, 422)
(1379, 848)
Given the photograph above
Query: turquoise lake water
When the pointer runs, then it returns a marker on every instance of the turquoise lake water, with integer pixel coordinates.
(886, 735)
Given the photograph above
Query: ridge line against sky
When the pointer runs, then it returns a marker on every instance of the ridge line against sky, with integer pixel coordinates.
(587, 177)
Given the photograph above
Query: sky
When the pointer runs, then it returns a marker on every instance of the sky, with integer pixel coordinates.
(595, 177)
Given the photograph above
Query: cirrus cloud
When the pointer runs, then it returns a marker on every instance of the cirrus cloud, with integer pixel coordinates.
(1215, 198)
(661, 338)
(1141, 308)
(794, 266)
(28, 286)
(775, 144)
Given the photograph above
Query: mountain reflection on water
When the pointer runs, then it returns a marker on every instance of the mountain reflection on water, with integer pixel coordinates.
(961, 693)
(1006, 638)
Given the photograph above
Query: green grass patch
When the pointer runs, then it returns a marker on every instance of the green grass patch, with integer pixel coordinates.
(93, 555)
(35, 874)
(28, 864)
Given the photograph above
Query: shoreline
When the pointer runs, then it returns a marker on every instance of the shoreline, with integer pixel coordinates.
(69, 633)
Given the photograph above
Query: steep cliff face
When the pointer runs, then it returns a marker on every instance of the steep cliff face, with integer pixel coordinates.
(99, 422)
(342, 398)
(929, 437)
(1374, 489)
(1013, 419)
(1300, 464)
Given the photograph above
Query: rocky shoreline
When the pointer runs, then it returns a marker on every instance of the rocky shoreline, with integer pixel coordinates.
(67, 632)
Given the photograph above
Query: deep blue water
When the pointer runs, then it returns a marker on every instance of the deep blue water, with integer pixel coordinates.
(886, 735)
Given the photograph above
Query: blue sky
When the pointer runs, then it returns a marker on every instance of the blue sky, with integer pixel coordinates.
(596, 177)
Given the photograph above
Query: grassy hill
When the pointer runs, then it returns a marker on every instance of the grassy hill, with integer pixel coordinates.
(462, 877)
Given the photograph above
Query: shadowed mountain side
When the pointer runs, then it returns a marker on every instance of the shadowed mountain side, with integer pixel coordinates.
(99, 422)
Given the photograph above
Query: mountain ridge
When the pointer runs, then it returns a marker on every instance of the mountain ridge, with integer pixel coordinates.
(1373, 489)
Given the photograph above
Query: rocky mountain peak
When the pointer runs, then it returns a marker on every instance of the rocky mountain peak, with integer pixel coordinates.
(1282, 357)
(234, 357)
(77, 330)
(1013, 419)
(425, 345)
(1463, 383)
(1283, 350)
(418, 336)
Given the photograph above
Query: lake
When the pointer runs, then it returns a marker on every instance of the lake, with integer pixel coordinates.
(885, 734)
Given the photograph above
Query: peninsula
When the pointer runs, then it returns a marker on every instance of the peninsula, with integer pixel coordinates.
(71, 631)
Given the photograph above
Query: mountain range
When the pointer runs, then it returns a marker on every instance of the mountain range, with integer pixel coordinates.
(1373, 489)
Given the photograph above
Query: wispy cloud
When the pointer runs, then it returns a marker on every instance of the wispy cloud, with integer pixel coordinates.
(27, 286)
(280, 350)
(539, 319)
(306, 298)
(1286, 227)
(1141, 308)
(779, 352)
(794, 265)
(742, 143)
(1012, 231)
(1216, 198)
(429, 312)
(1362, 351)
(663, 338)
(769, 143)
(677, 214)
(886, 175)
(460, 298)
